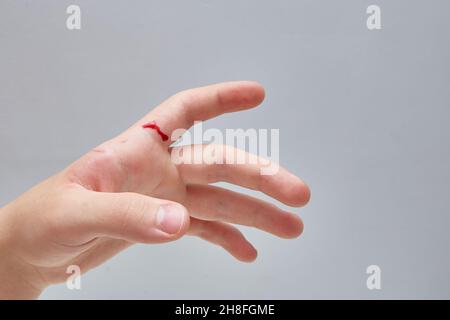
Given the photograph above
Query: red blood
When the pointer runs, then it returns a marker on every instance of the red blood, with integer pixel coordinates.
(154, 126)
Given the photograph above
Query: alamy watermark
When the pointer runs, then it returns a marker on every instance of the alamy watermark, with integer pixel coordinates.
(73, 21)
(73, 281)
(373, 281)
(237, 146)
(373, 21)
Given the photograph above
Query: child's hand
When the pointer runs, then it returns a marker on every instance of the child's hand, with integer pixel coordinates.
(128, 190)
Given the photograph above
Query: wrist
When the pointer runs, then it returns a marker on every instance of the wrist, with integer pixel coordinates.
(18, 279)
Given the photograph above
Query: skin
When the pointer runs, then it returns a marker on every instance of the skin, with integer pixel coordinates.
(112, 197)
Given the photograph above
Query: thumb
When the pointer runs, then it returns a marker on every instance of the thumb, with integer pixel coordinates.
(134, 217)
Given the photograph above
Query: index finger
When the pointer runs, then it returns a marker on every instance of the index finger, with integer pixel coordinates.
(184, 108)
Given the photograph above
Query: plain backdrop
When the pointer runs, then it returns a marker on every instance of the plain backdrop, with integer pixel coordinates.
(363, 118)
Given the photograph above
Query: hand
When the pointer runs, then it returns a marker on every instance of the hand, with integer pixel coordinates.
(128, 190)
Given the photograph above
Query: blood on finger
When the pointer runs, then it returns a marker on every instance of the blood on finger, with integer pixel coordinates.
(152, 125)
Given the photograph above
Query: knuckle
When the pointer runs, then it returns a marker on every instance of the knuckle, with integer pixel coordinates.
(257, 213)
(128, 214)
(133, 217)
(101, 169)
(103, 159)
(186, 97)
(221, 98)
(262, 181)
(185, 100)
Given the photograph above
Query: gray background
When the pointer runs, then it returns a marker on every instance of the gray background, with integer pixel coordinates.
(363, 118)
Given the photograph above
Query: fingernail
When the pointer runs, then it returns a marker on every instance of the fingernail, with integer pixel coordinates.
(169, 218)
